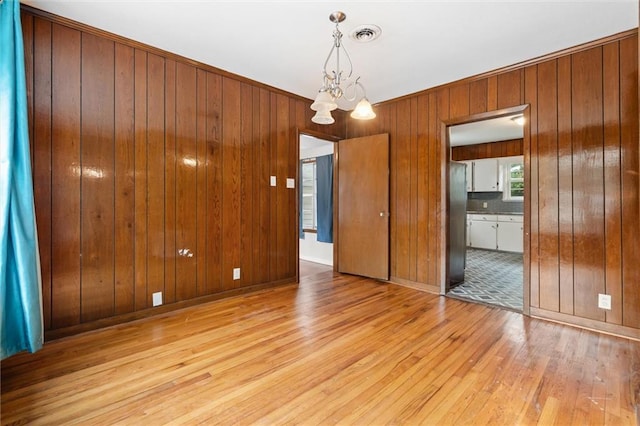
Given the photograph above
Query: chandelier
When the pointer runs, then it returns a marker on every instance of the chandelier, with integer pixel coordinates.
(337, 83)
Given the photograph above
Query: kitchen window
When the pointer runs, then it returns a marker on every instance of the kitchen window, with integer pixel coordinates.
(513, 180)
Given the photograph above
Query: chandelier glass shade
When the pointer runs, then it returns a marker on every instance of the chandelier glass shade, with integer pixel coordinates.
(337, 82)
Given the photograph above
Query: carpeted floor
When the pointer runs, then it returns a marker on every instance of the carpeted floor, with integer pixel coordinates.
(493, 278)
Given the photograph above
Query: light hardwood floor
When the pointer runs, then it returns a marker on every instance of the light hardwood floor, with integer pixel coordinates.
(333, 350)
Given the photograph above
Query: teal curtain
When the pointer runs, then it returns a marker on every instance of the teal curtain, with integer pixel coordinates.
(20, 292)
(324, 180)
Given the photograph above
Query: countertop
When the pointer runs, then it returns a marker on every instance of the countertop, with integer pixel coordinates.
(496, 213)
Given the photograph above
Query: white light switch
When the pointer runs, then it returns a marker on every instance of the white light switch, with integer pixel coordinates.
(291, 183)
(273, 181)
(236, 273)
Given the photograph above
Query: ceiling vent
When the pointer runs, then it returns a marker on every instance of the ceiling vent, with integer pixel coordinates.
(366, 33)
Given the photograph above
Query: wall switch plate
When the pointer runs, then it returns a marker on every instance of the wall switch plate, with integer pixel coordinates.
(236, 273)
(291, 183)
(273, 181)
(484, 205)
(604, 301)
(157, 298)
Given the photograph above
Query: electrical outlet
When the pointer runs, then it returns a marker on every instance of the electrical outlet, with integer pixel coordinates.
(604, 301)
(236, 273)
(273, 181)
(291, 183)
(157, 298)
(484, 205)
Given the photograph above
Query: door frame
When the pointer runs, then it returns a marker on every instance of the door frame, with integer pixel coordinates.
(445, 158)
(328, 138)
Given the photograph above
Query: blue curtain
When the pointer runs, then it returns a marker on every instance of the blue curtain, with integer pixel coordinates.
(324, 176)
(20, 283)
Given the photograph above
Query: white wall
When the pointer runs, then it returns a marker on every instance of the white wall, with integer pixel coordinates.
(310, 248)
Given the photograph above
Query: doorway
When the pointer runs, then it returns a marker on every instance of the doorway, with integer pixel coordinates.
(489, 148)
(315, 204)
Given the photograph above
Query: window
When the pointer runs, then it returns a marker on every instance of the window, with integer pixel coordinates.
(309, 196)
(514, 180)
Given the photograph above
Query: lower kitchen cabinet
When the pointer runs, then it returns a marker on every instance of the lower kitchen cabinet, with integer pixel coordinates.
(482, 231)
(495, 232)
(510, 233)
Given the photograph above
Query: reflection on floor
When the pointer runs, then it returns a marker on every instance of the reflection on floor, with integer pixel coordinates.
(311, 268)
(492, 277)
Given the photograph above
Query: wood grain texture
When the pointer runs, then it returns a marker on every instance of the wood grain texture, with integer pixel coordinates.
(588, 178)
(576, 163)
(547, 140)
(65, 176)
(335, 349)
(508, 148)
(97, 179)
(41, 141)
(124, 180)
(134, 193)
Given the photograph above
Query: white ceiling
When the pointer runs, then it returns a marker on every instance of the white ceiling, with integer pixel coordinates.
(490, 130)
(423, 43)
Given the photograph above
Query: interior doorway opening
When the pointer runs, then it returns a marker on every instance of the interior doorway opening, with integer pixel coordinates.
(316, 206)
(486, 213)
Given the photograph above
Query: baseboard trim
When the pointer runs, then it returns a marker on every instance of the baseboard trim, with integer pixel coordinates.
(158, 310)
(415, 285)
(586, 323)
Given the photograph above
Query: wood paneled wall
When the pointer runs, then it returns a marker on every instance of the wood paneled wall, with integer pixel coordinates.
(508, 148)
(151, 174)
(582, 167)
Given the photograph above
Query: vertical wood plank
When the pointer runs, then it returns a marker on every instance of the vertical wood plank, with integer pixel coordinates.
(292, 193)
(548, 186)
(65, 172)
(509, 89)
(170, 248)
(440, 236)
(434, 166)
(492, 93)
(186, 168)
(214, 183)
(140, 164)
(264, 190)
(565, 186)
(273, 191)
(403, 190)
(246, 185)
(42, 155)
(230, 180)
(588, 177)
(282, 202)
(459, 105)
(97, 178)
(612, 181)
(201, 183)
(413, 194)
(124, 180)
(393, 190)
(156, 182)
(531, 204)
(478, 96)
(630, 171)
(422, 188)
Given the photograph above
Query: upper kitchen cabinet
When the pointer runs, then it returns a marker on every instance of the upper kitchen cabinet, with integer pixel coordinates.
(482, 175)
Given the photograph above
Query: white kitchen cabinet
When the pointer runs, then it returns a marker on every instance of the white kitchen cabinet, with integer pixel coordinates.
(482, 175)
(482, 231)
(510, 233)
(496, 232)
(485, 175)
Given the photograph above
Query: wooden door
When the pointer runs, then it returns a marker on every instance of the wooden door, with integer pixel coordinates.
(363, 206)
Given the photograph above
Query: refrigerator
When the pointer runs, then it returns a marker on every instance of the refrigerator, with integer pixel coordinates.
(457, 214)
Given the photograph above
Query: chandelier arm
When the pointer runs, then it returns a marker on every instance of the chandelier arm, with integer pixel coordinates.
(355, 85)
